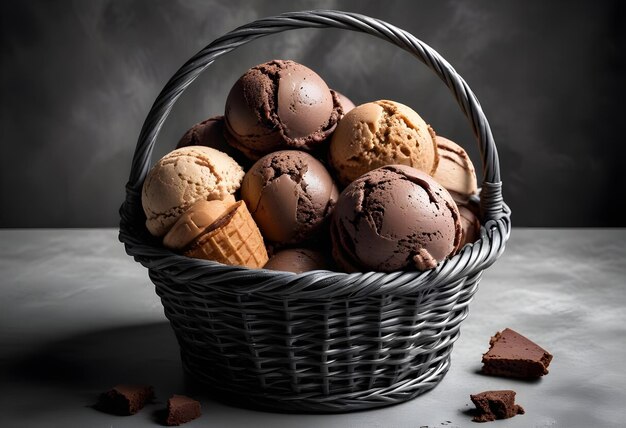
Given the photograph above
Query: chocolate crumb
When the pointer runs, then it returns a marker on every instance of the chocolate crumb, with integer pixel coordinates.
(182, 409)
(125, 400)
(492, 405)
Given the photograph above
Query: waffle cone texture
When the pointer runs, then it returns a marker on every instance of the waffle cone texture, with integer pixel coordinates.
(234, 239)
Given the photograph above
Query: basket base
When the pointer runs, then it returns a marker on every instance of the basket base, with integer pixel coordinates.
(400, 392)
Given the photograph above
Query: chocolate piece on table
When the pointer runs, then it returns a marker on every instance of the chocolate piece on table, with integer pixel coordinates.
(492, 405)
(125, 400)
(182, 409)
(513, 355)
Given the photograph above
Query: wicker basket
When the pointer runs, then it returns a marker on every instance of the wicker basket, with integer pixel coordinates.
(318, 341)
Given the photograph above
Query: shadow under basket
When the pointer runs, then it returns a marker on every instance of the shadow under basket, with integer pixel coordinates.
(318, 341)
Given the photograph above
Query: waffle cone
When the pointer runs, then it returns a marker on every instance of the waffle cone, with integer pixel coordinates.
(235, 240)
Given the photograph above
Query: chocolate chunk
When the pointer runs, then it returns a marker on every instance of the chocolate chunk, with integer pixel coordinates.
(492, 405)
(513, 355)
(125, 400)
(182, 409)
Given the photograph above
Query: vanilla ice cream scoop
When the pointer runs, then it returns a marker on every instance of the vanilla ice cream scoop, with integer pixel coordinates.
(183, 177)
(381, 133)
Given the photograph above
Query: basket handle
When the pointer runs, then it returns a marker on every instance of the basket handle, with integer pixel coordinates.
(491, 193)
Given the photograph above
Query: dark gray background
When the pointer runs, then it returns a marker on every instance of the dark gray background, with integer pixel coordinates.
(79, 77)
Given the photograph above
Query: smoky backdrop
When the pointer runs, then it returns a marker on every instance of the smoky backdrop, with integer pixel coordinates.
(78, 78)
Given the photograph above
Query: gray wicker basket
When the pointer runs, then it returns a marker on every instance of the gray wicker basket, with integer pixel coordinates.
(318, 341)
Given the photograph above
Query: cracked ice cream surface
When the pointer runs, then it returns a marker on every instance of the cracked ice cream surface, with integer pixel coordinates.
(381, 133)
(394, 218)
(290, 195)
(280, 105)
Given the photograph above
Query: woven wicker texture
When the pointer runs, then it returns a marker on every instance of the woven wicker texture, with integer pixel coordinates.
(318, 341)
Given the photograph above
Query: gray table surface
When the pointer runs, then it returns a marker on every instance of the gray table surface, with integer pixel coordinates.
(77, 315)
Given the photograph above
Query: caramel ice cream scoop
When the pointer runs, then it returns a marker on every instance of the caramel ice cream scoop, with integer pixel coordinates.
(381, 133)
(183, 177)
(455, 171)
(394, 218)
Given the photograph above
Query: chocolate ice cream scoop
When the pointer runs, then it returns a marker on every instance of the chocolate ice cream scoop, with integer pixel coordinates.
(297, 260)
(280, 105)
(290, 194)
(470, 225)
(394, 218)
(209, 132)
